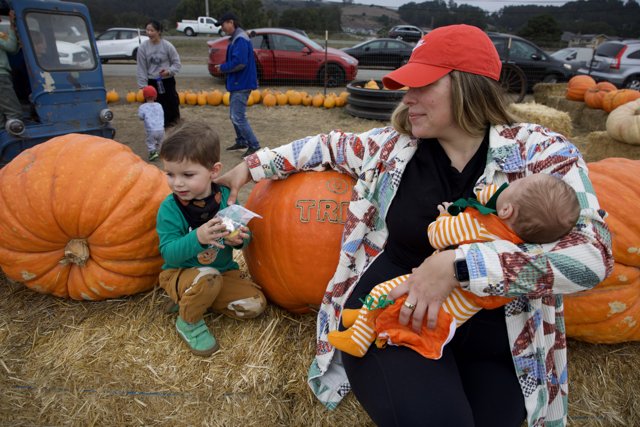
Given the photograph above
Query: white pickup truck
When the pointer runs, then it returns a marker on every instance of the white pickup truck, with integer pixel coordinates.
(204, 24)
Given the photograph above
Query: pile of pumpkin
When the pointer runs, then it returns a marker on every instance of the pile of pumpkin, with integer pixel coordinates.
(266, 97)
(603, 95)
(623, 106)
(69, 227)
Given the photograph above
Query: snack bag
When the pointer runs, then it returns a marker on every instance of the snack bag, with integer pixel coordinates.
(233, 217)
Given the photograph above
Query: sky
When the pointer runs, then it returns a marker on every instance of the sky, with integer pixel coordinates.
(488, 5)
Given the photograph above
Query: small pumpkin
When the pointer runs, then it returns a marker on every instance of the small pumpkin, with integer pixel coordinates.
(623, 123)
(256, 95)
(317, 100)
(131, 97)
(329, 101)
(139, 96)
(281, 98)
(295, 98)
(201, 98)
(577, 87)
(77, 218)
(214, 97)
(112, 96)
(269, 100)
(191, 98)
(226, 98)
(294, 249)
(593, 96)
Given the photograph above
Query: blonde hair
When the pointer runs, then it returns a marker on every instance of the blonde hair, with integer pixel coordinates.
(192, 141)
(477, 102)
(548, 209)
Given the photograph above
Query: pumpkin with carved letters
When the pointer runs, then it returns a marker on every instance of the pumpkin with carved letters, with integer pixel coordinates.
(295, 247)
(77, 218)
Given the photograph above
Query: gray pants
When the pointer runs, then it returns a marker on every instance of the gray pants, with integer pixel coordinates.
(9, 105)
(154, 139)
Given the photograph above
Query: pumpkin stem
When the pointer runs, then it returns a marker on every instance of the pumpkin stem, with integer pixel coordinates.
(76, 252)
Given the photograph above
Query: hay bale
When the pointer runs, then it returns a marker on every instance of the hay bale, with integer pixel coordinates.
(593, 119)
(543, 91)
(599, 145)
(555, 120)
(120, 362)
(574, 108)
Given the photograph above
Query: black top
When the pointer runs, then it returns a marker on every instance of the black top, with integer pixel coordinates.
(428, 180)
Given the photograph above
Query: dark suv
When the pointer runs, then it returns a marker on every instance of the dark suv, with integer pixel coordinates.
(617, 62)
(536, 64)
(408, 33)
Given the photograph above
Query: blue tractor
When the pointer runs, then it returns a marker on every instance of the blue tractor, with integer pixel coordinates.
(56, 75)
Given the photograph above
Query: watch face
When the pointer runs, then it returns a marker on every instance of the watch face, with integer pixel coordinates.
(461, 271)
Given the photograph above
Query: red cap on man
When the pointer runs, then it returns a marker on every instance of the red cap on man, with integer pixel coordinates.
(453, 47)
(149, 92)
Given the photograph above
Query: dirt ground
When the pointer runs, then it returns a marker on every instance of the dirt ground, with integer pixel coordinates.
(273, 126)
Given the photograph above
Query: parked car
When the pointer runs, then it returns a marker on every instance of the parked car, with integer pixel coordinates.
(617, 62)
(381, 53)
(537, 65)
(287, 55)
(120, 43)
(204, 24)
(576, 56)
(408, 33)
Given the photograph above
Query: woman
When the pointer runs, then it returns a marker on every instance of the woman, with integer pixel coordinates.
(451, 133)
(158, 63)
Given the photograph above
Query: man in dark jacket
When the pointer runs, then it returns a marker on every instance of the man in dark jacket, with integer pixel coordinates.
(242, 78)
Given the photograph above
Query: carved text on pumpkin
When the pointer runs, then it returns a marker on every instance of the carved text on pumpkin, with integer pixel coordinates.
(323, 210)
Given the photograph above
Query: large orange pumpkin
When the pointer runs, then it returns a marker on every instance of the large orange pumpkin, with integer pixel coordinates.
(295, 247)
(577, 86)
(610, 312)
(77, 218)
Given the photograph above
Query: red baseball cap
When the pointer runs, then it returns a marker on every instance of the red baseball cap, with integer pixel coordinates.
(149, 92)
(454, 47)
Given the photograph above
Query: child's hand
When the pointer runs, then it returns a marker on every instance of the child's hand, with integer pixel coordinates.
(442, 208)
(237, 237)
(211, 231)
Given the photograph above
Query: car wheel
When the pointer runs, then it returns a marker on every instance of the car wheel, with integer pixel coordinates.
(335, 76)
(189, 32)
(403, 61)
(632, 82)
(134, 54)
(550, 78)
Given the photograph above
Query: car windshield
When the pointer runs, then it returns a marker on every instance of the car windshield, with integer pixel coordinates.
(609, 50)
(57, 48)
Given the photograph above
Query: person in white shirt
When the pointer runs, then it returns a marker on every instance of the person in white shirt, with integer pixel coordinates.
(153, 115)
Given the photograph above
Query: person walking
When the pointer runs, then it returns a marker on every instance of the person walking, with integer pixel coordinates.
(158, 63)
(242, 77)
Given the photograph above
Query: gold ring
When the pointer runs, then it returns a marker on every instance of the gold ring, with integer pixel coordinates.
(409, 305)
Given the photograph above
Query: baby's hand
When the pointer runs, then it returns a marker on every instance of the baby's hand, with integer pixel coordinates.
(237, 237)
(211, 231)
(442, 208)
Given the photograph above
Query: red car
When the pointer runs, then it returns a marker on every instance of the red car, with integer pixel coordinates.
(287, 55)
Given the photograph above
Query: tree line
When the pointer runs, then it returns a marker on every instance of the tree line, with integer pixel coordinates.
(542, 24)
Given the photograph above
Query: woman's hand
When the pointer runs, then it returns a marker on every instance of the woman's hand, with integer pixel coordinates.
(427, 288)
(211, 231)
(234, 179)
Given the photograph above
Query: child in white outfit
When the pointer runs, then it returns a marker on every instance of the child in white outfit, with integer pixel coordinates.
(153, 115)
